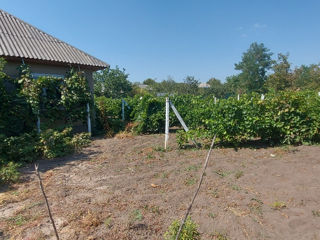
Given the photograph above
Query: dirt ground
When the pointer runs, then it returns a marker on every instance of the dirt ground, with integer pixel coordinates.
(131, 189)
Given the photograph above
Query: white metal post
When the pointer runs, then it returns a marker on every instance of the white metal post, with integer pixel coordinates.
(89, 120)
(166, 138)
(238, 97)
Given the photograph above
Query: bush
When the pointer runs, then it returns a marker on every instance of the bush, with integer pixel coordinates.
(109, 115)
(9, 173)
(19, 149)
(188, 232)
(57, 144)
(80, 141)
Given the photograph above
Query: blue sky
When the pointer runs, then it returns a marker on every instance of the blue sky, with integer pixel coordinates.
(177, 38)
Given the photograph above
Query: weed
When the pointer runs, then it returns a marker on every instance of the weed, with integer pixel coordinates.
(190, 181)
(136, 215)
(150, 156)
(236, 187)
(155, 210)
(316, 213)
(215, 193)
(194, 167)
(277, 205)
(220, 236)
(222, 173)
(212, 215)
(238, 174)
(159, 149)
(165, 175)
(189, 231)
(18, 220)
(107, 222)
(9, 173)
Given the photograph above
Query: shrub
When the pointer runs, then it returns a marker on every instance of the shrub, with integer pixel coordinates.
(80, 140)
(188, 232)
(19, 149)
(9, 173)
(56, 144)
(60, 143)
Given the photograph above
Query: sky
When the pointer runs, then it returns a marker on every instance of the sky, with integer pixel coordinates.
(177, 38)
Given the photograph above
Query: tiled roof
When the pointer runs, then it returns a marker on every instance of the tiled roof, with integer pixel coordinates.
(20, 39)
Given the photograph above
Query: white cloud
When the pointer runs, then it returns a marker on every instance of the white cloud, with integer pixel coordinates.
(259, 26)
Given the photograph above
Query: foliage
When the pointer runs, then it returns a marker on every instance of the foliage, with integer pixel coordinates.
(22, 148)
(283, 117)
(9, 173)
(281, 79)
(112, 83)
(15, 113)
(254, 66)
(216, 88)
(80, 141)
(109, 114)
(54, 143)
(189, 231)
(75, 95)
(191, 85)
(286, 117)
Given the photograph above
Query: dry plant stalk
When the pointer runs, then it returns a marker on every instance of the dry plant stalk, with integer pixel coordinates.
(47, 203)
(198, 188)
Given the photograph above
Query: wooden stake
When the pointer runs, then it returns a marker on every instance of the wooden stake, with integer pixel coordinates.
(45, 197)
(198, 188)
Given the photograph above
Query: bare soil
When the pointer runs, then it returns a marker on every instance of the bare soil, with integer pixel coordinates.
(131, 189)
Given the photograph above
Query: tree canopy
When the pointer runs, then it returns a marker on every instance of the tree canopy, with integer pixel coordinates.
(112, 83)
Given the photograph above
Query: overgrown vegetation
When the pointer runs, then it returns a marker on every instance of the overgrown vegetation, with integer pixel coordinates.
(189, 230)
(58, 102)
(289, 117)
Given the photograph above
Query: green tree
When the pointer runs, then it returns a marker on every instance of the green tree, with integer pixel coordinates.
(216, 88)
(307, 77)
(282, 77)
(255, 63)
(112, 83)
(191, 85)
(233, 86)
(149, 82)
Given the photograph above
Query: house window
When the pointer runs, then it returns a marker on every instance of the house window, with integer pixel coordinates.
(37, 75)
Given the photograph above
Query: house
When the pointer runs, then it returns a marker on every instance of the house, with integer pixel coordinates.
(204, 85)
(46, 55)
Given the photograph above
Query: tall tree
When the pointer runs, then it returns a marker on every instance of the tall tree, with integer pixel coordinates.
(282, 77)
(112, 83)
(191, 85)
(307, 77)
(255, 63)
(216, 87)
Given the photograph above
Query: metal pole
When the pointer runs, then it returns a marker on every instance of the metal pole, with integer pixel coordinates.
(166, 138)
(89, 120)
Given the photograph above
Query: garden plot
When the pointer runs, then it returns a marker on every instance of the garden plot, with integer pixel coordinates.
(130, 188)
